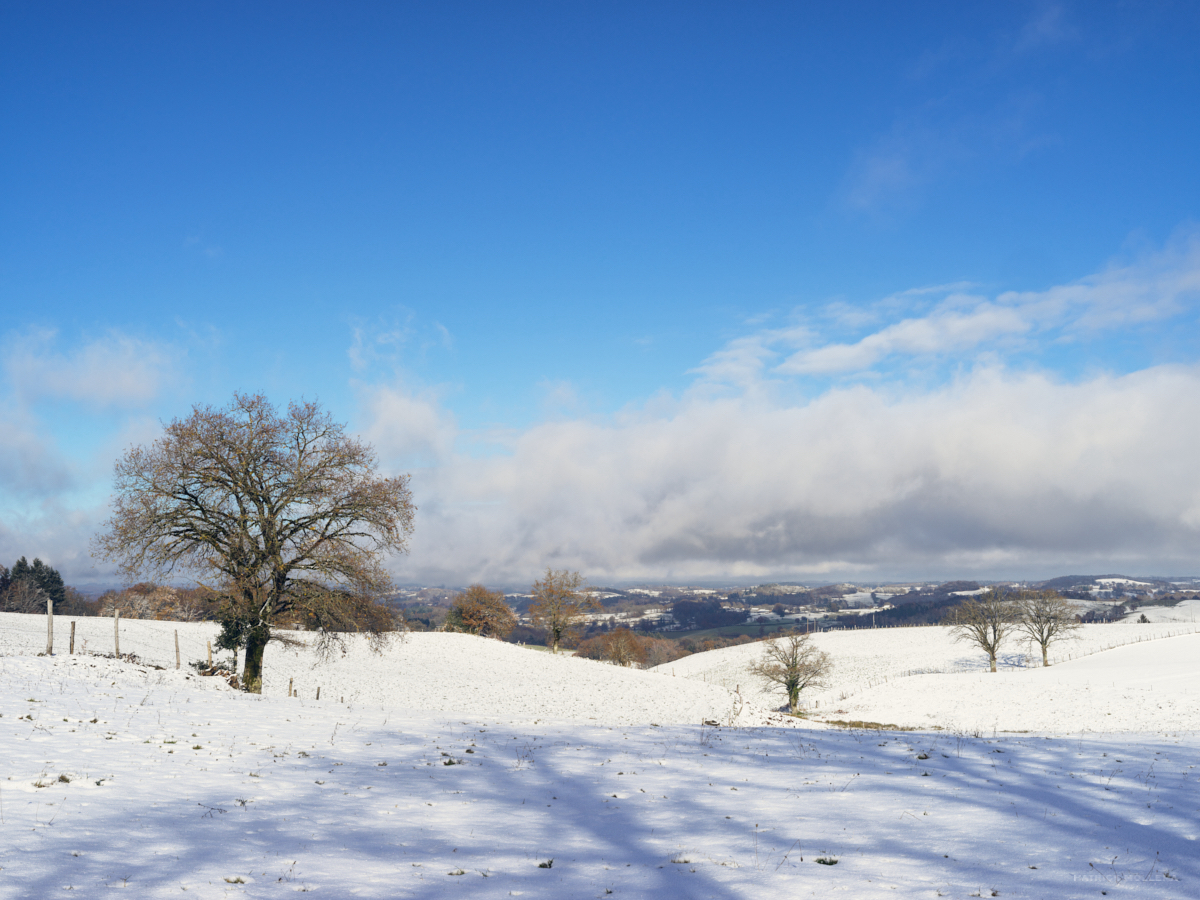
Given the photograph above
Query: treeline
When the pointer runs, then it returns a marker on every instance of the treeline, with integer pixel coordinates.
(28, 587)
(700, 614)
(929, 611)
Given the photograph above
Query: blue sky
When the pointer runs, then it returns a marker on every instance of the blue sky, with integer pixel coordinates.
(655, 291)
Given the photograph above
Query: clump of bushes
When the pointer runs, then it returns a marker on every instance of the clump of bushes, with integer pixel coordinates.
(623, 647)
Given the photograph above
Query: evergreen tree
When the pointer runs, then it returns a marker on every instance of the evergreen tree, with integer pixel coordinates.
(44, 576)
(50, 581)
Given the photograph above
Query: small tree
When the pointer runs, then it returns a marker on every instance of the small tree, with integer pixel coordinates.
(793, 663)
(1046, 617)
(560, 603)
(984, 622)
(480, 611)
(282, 514)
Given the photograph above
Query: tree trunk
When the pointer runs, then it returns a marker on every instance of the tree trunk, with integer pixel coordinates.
(1045, 660)
(794, 701)
(992, 658)
(256, 643)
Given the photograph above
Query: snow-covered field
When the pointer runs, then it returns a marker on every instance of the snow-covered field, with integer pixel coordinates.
(428, 671)
(866, 660)
(1153, 686)
(1185, 612)
(125, 778)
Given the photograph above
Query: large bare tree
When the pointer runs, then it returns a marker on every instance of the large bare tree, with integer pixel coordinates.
(1045, 617)
(985, 622)
(281, 512)
(561, 602)
(793, 663)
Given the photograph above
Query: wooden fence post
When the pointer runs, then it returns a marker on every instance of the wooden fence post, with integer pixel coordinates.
(209, 653)
(49, 626)
(176, 648)
(318, 692)
(72, 637)
(117, 632)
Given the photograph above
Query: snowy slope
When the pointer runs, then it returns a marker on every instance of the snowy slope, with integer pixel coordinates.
(867, 658)
(1150, 687)
(157, 783)
(123, 779)
(1186, 612)
(429, 671)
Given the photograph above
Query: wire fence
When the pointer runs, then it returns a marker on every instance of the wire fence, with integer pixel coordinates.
(150, 640)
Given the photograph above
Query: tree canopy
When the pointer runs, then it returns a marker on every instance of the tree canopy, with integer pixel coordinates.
(282, 513)
(560, 604)
(986, 622)
(792, 663)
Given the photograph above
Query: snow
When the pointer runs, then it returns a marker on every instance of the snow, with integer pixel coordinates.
(861, 598)
(1187, 611)
(157, 782)
(865, 659)
(1141, 687)
(430, 671)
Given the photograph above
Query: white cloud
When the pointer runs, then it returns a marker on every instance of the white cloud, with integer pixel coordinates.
(29, 463)
(944, 331)
(1151, 289)
(744, 361)
(387, 340)
(406, 428)
(996, 474)
(114, 370)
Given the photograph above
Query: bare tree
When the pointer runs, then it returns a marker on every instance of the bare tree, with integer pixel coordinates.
(480, 611)
(1045, 617)
(984, 622)
(24, 595)
(282, 514)
(793, 663)
(560, 602)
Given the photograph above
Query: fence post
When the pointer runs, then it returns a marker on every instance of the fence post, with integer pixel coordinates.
(290, 687)
(72, 637)
(176, 648)
(209, 653)
(117, 632)
(49, 626)
(318, 692)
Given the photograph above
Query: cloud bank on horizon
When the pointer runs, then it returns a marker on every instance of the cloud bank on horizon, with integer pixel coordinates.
(998, 470)
(656, 294)
(757, 469)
